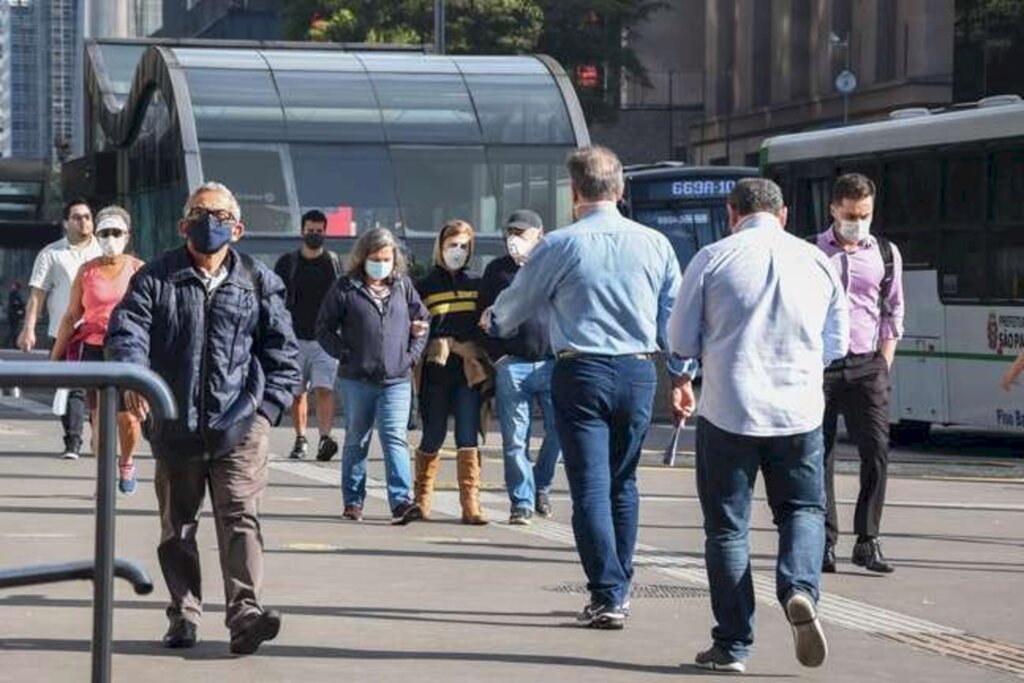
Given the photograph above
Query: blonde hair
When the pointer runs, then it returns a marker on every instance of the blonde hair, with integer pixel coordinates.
(453, 228)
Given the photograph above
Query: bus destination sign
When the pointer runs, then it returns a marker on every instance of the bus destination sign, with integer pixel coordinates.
(693, 188)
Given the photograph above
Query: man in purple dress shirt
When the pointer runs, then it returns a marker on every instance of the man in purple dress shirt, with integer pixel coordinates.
(858, 385)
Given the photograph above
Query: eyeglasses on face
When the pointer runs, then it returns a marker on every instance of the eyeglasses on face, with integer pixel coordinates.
(222, 215)
(111, 232)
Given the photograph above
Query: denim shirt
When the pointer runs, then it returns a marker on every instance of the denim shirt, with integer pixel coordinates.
(608, 283)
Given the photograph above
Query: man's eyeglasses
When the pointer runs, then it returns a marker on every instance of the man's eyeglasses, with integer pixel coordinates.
(111, 232)
(222, 215)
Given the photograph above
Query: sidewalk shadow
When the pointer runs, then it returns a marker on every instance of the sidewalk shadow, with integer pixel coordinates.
(423, 554)
(214, 650)
(553, 619)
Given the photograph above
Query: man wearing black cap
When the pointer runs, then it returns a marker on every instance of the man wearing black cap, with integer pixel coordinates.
(523, 365)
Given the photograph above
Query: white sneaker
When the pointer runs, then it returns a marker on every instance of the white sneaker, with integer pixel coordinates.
(808, 638)
(69, 455)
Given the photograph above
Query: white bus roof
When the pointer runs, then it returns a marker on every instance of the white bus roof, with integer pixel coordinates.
(923, 130)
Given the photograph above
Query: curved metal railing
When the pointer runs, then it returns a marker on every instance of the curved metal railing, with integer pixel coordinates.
(110, 379)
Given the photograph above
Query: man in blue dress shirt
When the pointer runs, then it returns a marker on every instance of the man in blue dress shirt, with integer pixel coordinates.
(766, 312)
(608, 284)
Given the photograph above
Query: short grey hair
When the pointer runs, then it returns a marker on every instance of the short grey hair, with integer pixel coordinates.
(756, 195)
(370, 242)
(214, 186)
(596, 173)
(113, 211)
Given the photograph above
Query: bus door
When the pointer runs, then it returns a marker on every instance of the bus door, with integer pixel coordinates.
(919, 374)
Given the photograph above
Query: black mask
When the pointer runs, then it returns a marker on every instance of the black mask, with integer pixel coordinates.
(313, 240)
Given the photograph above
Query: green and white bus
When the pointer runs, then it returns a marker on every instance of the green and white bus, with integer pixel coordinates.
(951, 197)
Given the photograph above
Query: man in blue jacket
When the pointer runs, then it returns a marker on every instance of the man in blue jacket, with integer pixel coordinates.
(212, 322)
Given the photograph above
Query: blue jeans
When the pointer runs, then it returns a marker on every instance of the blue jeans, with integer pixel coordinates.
(602, 412)
(727, 466)
(444, 392)
(388, 406)
(517, 384)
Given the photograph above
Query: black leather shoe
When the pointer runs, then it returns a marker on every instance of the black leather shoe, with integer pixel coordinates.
(828, 562)
(264, 627)
(182, 633)
(868, 554)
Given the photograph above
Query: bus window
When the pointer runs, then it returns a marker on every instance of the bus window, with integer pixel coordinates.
(964, 271)
(812, 201)
(909, 195)
(1008, 190)
(1006, 249)
(965, 191)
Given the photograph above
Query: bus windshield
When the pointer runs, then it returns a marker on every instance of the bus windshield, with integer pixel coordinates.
(688, 228)
(685, 203)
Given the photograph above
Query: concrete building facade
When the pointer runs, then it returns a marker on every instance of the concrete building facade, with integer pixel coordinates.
(654, 119)
(771, 66)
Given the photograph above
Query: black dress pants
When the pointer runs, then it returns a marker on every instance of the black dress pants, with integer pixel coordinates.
(857, 387)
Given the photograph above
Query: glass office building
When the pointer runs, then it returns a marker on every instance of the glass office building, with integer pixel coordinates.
(403, 140)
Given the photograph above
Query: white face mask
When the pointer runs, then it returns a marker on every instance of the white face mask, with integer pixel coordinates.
(455, 257)
(519, 247)
(113, 246)
(854, 231)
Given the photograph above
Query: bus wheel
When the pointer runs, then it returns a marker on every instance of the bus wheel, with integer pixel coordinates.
(909, 432)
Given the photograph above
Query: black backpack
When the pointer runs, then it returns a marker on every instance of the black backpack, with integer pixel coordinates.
(885, 286)
(293, 268)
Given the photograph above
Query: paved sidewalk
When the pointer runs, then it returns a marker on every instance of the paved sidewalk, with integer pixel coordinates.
(440, 601)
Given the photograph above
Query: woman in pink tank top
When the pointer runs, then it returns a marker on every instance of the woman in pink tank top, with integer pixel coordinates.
(98, 288)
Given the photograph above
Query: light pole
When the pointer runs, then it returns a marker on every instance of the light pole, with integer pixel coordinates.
(846, 81)
(439, 38)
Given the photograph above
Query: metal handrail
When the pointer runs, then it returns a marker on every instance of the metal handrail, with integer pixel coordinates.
(110, 379)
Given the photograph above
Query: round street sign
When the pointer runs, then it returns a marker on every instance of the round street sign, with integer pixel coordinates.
(846, 82)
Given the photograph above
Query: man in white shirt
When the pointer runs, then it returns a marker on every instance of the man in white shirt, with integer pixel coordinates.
(766, 312)
(53, 273)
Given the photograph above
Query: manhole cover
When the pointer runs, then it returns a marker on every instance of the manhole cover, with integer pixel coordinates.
(639, 590)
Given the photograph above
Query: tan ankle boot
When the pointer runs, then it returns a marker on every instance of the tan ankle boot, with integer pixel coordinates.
(468, 462)
(426, 472)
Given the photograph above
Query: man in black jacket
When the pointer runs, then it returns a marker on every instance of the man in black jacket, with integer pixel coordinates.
(212, 322)
(523, 365)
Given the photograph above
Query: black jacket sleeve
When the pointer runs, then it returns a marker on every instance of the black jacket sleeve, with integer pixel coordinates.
(278, 352)
(128, 334)
(417, 311)
(329, 319)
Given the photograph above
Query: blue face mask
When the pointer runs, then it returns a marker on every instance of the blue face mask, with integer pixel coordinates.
(208, 235)
(378, 270)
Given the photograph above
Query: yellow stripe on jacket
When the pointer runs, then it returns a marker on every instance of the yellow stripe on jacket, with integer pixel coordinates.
(453, 307)
(449, 296)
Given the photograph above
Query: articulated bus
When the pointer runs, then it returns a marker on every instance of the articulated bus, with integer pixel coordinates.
(951, 197)
(686, 203)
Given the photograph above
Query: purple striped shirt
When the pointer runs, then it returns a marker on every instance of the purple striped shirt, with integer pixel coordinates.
(861, 272)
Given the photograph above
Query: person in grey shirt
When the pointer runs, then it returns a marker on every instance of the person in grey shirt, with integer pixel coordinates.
(766, 312)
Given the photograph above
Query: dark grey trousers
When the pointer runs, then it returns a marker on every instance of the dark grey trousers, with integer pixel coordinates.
(236, 482)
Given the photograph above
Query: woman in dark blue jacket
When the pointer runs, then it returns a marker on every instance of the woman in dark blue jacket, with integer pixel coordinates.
(374, 323)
